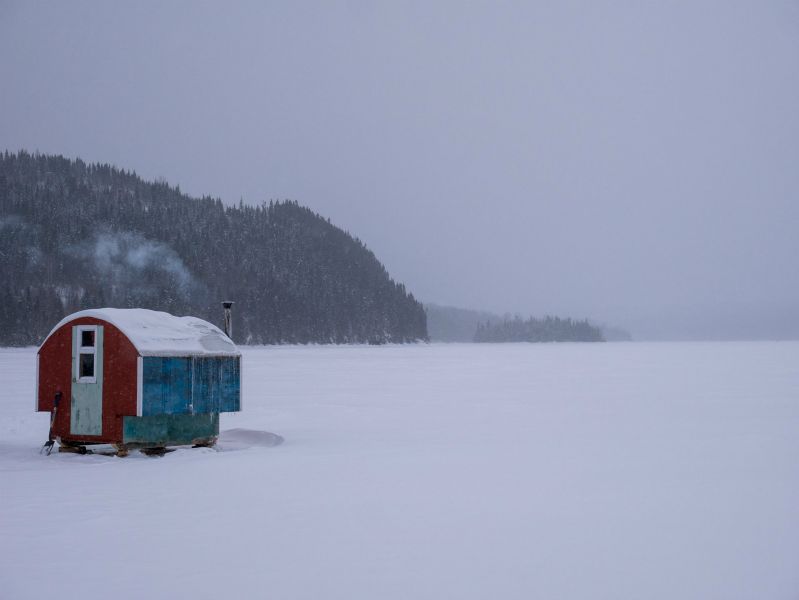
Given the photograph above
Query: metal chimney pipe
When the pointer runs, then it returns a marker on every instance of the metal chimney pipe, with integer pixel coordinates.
(228, 319)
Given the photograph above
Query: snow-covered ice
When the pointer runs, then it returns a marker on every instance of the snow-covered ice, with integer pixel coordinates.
(564, 471)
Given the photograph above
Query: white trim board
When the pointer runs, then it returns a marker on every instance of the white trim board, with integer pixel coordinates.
(139, 386)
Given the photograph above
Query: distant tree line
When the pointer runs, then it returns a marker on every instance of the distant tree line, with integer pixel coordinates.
(548, 329)
(451, 324)
(75, 235)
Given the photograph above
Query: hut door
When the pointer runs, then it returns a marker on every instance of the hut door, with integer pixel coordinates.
(86, 410)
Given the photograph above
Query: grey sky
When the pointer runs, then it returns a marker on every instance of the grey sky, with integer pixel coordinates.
(634, 162)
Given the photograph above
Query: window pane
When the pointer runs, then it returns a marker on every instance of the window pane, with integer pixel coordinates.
(87, 338)
(86, 365)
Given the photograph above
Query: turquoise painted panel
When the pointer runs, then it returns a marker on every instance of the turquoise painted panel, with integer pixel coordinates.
(207, 384)
(170, 430)
(197, 385)
(86, 405)
(166, 385)
(152, 387)
(230, 400)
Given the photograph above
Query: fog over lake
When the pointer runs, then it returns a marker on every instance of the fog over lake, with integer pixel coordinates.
(633, 163)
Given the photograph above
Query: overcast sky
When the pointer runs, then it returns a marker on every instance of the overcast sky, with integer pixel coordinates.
(632, 162)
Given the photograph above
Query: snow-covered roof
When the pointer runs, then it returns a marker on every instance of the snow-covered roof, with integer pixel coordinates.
(156, 333)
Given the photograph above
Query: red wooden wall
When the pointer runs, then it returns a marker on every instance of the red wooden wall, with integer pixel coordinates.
(119, 379)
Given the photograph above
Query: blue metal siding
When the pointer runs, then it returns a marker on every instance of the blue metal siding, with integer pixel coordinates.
(230, 400)
(166, 386)
(152, 390)
(207, 384)
(196, 385)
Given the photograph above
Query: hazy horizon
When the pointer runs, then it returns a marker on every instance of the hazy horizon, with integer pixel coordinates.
(632, 164)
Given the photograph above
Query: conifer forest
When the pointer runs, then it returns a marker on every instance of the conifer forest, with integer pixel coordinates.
(548, 329)
(75, 235)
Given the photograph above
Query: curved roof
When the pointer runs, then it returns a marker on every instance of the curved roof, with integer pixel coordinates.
(156, 333)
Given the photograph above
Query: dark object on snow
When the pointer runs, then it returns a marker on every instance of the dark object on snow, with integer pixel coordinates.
(48, 445)
(136, 378)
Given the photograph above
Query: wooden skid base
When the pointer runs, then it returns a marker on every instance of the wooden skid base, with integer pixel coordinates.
(120, 450)
(73, 449)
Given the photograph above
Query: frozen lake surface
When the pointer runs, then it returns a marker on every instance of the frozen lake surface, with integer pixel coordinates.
(605, 471)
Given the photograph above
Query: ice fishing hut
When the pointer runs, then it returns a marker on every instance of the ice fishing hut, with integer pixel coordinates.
(137, 378)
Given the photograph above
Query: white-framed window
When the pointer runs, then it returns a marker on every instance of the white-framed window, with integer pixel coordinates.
(86, 363)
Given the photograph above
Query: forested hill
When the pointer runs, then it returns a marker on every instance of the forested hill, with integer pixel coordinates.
(75, 235)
